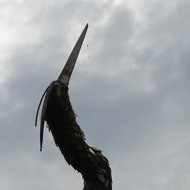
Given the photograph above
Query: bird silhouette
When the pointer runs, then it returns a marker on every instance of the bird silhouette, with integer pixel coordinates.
(58, 113)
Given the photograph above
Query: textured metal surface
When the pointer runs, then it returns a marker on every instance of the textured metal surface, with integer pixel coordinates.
(57, 111)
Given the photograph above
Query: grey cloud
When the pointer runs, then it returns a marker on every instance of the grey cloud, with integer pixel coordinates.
(130, 94)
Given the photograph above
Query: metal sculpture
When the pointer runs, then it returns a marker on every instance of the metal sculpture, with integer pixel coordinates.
(61, 120)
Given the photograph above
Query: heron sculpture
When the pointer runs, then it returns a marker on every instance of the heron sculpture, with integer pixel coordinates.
(58, 113)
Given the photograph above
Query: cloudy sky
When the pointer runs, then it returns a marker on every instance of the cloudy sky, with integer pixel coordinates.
(130, 90)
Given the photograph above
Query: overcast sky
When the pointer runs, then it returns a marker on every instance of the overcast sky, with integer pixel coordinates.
(130, 90)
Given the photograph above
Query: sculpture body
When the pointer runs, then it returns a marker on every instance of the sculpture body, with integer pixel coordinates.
(58, 113)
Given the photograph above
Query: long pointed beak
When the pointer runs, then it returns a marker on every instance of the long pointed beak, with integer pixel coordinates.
(69, 65)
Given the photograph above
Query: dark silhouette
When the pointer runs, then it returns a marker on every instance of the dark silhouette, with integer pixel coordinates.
(61, 120)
